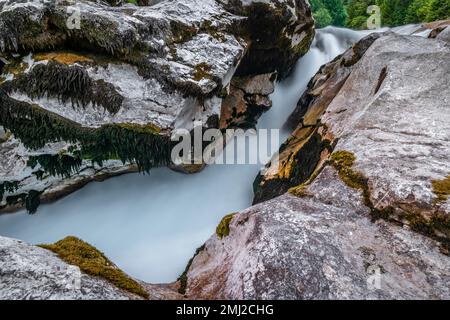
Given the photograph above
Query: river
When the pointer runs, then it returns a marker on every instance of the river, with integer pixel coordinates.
(150, 225)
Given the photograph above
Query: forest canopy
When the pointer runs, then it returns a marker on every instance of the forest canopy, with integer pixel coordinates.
(353, 13)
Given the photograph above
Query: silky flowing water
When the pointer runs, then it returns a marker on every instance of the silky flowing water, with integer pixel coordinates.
(150, 225)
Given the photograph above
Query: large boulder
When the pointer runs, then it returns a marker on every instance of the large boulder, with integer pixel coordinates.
(371, 103)
(368, 174)
(33, 273)
(29, 272)
(91, 90)
(322, 245)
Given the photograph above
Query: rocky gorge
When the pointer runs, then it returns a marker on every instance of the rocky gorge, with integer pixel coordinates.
(104, 98)
(356, 208)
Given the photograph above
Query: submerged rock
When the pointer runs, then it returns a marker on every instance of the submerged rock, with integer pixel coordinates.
(105, 86)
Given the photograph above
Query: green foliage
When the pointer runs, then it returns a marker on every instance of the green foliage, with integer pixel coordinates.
(56, 165)
(438, 10)
(357, 13)
(397, 12)
(8, 186)
(328, 12)
(93, 262)
(323, 18)
(36, 127)
(223, 229)
(417, 11)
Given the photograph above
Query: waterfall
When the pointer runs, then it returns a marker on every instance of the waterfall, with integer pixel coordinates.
(150, 225)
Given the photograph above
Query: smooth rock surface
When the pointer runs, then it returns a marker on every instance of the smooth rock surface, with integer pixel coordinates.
(322, 246)
(390, 109)
(385, 102)
(31, 273)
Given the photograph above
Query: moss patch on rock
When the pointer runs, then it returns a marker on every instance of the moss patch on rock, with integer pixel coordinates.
(437, 227)
(68, 84)
(343, 162)
(131, 143)
(62, 165)
(202, 71)
(442, 189)
(300, 191)
(223, 229)
(8, 187)
(31, 200)
(183, 279)
(5, 137)
(93, 262)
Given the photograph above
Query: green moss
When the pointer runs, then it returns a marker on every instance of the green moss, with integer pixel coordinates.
(68, 84)
(8, 186)
(56, 165)
(91, 261)
(6, 137)
(182, 32)
(130, 143)
(343, 162)
(202, 71)
(223, 229)
(442, 189)
(300, 191)
(30, 200)
(183, 279)
(146, 129)
(437, 227)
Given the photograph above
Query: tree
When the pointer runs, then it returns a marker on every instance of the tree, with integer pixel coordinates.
(417, 11)
(337, 11)
(357, 13)
(323, 18)
(438, 10)
(328, 12)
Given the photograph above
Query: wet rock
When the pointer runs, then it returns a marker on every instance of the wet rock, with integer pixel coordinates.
(323, 245)
(277, 47)
(106, 84)
(396, 128)
(29, 272)
(310, 143)
(247, 101)
(444, 34)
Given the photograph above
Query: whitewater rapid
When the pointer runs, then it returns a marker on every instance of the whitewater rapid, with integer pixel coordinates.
(150, 225)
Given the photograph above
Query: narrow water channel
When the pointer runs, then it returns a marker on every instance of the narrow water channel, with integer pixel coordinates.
(150, 225)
